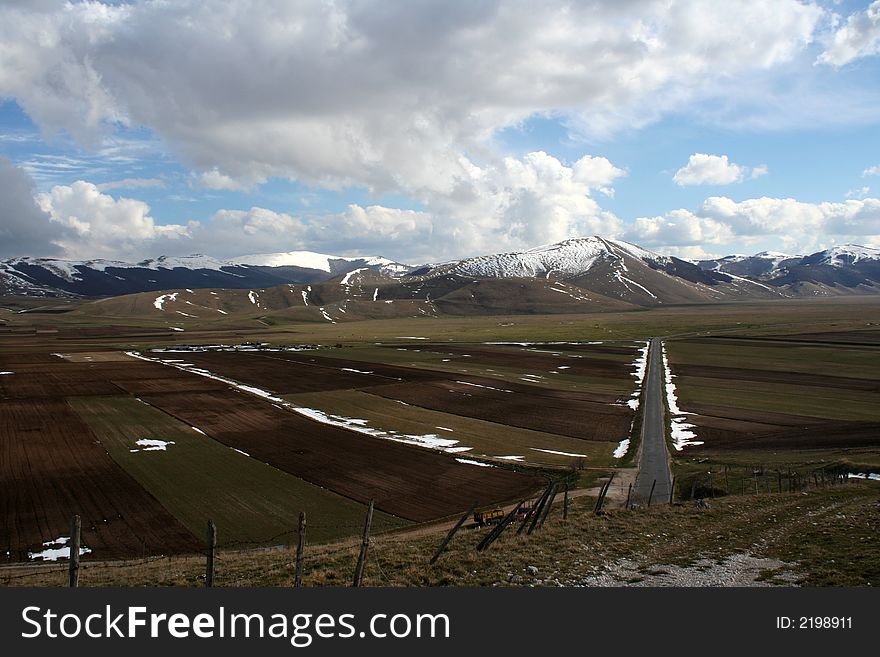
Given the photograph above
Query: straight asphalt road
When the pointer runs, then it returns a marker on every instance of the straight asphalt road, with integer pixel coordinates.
(653, 454)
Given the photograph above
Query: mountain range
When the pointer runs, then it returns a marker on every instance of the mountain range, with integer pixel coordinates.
(591, 273)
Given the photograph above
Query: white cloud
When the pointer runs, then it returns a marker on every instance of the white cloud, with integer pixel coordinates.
(871, 171)
(703, 169)
(387, 96)
(860, 193)
(519, 203)
(98, 225)
(213, 179)
(858, 37)
(796, 225)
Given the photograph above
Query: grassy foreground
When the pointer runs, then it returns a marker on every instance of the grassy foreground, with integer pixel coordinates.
(824, 537)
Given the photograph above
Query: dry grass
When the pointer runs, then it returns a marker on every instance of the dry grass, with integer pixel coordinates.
(827, 536)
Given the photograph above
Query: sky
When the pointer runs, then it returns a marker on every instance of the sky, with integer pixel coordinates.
(427, 131)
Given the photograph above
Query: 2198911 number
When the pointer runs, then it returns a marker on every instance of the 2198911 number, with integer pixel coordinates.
(814, 623)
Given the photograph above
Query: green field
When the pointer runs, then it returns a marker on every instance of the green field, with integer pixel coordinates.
(486, 438)
(198, 478)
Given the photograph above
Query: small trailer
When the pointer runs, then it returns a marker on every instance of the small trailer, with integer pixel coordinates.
(488, 517)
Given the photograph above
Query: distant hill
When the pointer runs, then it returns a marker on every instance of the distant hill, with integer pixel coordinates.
(576, 275)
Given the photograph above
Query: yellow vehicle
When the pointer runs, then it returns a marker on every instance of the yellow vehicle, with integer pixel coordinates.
(488, 517)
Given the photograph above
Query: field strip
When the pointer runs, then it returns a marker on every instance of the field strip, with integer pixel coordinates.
(197, 478)
(429, 441)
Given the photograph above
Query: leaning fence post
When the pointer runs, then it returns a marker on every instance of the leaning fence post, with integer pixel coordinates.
(451, 533)
(365, 542)
(565, 505)
(629, 491)
(547, 507)
(651, 494)
(300, 547)
(73, 570)
(671, 490)
(212, 548)
(536, 510)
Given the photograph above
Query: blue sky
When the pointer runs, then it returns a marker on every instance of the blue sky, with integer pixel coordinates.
(424, 131)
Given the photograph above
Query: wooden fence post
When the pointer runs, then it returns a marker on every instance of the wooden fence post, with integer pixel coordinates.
(629, 492)
(73, 570)
(212, 548)
(547, 508)
(672, 490)
(565, 505)
(365, 542)
(651, 494)
(300, 548)
(601, 501)
(536, 510)
(451, 533)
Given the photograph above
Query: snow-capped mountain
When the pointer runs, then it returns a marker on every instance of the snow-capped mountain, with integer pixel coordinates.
(847, 268)
(611, 269)
(318, 261)
(54, 277)
(760, 264)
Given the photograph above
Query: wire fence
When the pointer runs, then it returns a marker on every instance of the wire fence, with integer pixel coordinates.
(693, 487)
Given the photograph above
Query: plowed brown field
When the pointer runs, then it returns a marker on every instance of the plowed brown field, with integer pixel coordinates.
(410, 482)
(53, 467)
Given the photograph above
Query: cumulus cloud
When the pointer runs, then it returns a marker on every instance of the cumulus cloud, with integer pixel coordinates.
(25, 229)
(97, 225)
(382, 95)
(871, 171)
(213, 179)
(703, 169)
(797, 225)
(858, 37)
(516, 204)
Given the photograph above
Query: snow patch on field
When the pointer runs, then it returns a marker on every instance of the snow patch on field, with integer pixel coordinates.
(351, 369)
(253, 297)
(862, 475)
(358, 425)
(477, 385)
(682, 436)
(640, 364)
(197, 430)
(159, 303)
(152, 445)
(53, 553)
(622, 449)
(411, 337)
(511, 458)
(477, 463)
(553, 451)
(5, 373)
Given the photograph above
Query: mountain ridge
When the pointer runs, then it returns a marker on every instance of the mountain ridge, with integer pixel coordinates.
(607, 268)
